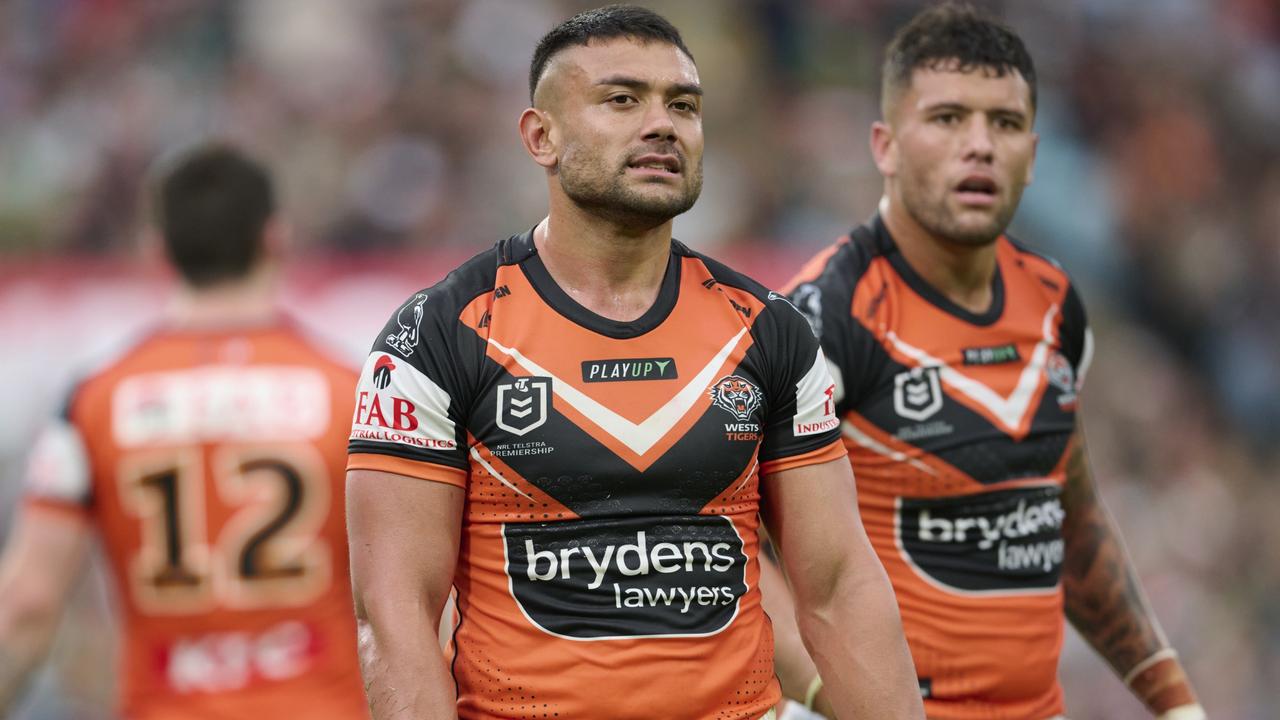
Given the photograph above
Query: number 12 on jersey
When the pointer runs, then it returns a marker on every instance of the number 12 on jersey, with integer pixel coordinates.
(247, 537)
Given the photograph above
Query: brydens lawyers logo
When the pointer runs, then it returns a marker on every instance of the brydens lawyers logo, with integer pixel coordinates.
(522, 405)
(409, 319)
(736, 396)
(382, 372)
(917, 393)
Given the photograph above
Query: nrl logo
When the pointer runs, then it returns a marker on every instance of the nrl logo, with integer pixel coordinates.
(407, 339)
(736, 396)
(917, 394)
(522, 405)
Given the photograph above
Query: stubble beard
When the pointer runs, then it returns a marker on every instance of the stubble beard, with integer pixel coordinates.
(940, 221)
(601, 190)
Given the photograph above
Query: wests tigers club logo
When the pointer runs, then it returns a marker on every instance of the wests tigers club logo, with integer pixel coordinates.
(736, 396)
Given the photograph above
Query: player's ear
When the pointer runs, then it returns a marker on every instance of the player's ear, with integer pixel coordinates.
(536, 134)
(884, 148)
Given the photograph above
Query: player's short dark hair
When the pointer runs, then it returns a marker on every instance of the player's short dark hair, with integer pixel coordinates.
(211, 205)
(953, 35)
(606, 23)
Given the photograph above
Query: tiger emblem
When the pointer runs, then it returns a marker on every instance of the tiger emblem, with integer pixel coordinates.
(737, 396)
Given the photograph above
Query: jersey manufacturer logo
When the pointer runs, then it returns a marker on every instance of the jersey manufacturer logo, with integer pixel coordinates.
(629, 369)
(1003, 542)
(382, 372)
(522, 405)
(676, 576)
(917, 393)
(409, 319)
(737, 396)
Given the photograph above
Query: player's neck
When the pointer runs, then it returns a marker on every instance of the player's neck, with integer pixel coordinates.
(961, 272)
(609, 270)
(246, 302)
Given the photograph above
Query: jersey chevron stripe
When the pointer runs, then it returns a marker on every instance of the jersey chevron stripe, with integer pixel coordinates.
(870, 443)
(638, 438)
(494, 472)
(1009, 411)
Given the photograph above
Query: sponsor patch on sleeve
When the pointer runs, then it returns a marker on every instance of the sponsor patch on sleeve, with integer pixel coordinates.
(815, 400)
(396, 403)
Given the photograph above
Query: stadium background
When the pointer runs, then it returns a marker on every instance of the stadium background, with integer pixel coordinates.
(391, 126)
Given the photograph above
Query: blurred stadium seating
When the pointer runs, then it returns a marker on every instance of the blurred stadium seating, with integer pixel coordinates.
(391, 125)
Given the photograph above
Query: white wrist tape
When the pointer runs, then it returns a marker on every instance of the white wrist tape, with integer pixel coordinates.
(811, 694)
(1184, 712)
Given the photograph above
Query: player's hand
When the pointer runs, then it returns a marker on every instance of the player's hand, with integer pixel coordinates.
(1184, 712)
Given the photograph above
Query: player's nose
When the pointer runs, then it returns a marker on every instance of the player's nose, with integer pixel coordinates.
(658, 124)
(979, 143)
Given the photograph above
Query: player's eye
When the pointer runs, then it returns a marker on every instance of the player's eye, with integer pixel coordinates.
(684, 106)
(622, 99)
(947, 118)
(1008, 123)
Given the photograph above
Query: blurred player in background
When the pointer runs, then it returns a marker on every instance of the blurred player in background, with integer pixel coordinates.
(958, 357)
(580, 428)
(209, 457)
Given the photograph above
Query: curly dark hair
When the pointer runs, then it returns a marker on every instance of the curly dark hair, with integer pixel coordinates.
(954, 36)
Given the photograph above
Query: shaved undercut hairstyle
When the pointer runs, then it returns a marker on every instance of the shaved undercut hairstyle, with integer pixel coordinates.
(211, 205)
(606, 23)
(952, 36)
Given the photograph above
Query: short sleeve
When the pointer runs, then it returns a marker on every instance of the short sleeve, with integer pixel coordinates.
(58, 471)
(802, 427)
(408, 418)
(1075, 336)
(823, 293)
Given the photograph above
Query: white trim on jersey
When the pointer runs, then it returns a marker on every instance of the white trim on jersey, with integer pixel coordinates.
(870, 443)
(638, 438)
(59, 465)
(429, 407)
(1086, 358)
(815, 400)
(1008, 411)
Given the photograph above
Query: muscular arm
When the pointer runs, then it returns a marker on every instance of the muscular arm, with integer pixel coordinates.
(43, 559)
(404, 536)
(791, 661)
(845, 606)
(1104, 600)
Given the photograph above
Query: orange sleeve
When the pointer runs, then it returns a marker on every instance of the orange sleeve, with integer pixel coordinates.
(409, 468)
(827, 453)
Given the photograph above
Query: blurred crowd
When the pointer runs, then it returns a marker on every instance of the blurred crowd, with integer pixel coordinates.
(391, 125)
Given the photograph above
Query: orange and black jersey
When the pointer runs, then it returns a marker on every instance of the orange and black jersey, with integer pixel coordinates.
(211, 462)
(957, 425)
(611, 475)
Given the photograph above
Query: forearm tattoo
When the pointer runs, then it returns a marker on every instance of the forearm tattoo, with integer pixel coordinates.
(1103, 598)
